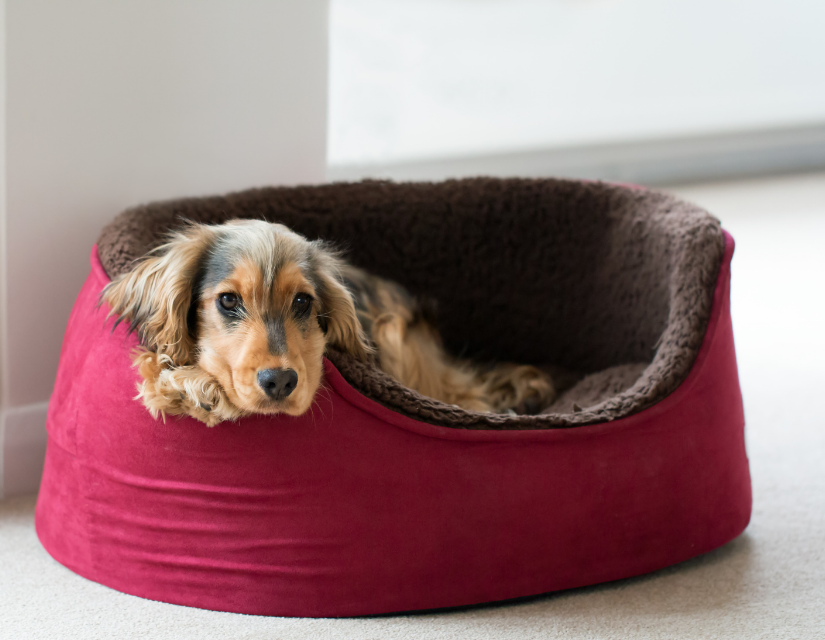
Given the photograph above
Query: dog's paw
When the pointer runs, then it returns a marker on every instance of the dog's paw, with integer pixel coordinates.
(535, 391)
(520, 389)
(181, 390)
(210, 405)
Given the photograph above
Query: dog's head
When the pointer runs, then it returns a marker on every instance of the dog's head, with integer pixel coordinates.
(252, 303)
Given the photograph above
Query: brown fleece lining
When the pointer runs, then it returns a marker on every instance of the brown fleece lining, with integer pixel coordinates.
(590, 277)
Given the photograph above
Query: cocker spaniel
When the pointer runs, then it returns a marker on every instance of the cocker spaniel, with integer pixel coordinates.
(233, 320)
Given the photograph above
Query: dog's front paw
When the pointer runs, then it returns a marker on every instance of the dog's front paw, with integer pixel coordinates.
(209, 404)
(182, 390)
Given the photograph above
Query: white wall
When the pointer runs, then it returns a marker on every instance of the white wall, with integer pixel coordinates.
(109, 104)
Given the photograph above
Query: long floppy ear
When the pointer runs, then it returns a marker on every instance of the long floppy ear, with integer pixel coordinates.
(337, 315)
(155, 297)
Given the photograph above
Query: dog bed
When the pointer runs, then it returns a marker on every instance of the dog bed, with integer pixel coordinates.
(380, 500)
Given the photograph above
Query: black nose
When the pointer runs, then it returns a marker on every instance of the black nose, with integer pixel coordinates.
(278, 383)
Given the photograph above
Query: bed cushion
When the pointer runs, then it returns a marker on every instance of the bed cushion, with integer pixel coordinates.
(579, 275)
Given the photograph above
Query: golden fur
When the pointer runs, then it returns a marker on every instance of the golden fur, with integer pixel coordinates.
(290, 298)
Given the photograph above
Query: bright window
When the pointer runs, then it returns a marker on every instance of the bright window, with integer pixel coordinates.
(419, 79)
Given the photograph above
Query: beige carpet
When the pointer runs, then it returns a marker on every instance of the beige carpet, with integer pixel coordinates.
(769, 583)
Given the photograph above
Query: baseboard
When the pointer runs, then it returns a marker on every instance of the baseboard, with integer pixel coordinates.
(23, 446)
(649, 162)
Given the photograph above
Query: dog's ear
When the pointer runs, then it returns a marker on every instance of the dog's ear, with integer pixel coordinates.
(337, 316)
(155, 297)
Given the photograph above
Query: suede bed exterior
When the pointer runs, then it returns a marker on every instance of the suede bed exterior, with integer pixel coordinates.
(613, 282)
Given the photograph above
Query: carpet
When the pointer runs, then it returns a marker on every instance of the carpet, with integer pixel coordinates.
(768, 583)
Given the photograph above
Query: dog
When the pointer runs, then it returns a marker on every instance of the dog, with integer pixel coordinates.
(234, 319)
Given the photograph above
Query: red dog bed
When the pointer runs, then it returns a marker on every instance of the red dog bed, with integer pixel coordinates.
(380, 500)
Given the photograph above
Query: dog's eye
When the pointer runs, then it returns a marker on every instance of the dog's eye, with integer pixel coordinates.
(228, 301)
(301, 303)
